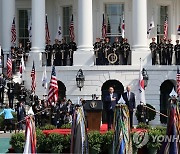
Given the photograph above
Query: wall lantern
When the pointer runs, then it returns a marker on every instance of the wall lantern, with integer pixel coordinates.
(80, 79)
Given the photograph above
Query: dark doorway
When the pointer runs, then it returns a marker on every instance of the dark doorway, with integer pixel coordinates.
(165, 89)
(118, 88)
(62, 90)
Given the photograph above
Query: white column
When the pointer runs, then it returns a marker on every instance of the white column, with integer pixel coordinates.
(84, 54)
(8, 13)
(140, 46)
(38, 32)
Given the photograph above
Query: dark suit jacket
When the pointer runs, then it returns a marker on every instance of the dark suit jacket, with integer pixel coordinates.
(131, 102)
(21, 113)
(111, 104)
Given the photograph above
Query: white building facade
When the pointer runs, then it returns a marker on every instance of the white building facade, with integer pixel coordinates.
(88, 23)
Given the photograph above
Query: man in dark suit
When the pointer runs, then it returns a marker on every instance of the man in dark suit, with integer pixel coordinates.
(21, 113)
(2, 85)
(10, 93)
(129, 98)
(110, 102)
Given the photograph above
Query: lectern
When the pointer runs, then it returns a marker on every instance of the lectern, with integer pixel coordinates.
(94, 109)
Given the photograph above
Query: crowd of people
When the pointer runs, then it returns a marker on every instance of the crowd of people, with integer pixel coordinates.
(162, 53)
(116, 53)
(56, 114)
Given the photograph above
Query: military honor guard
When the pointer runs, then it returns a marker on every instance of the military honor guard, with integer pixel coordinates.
(49, 54)
(98, 52)
(169, 52)
(106, 50)
(64, 52)
(153, 48)
(13, 58)
(27, 50)
(56, 53)
(71, 48)
(161, 51)
(177, 52)
(116, 47)
(126, 51)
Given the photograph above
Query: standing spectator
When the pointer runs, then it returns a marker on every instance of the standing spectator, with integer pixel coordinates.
(38, 108)
(54, 111)
(70, 107)
(45, 114)
(68, 118)
(129, 98)
(21, 113)
(62, 109)
(2, 84)
(10, 93)
(7, 118)
(110, 100)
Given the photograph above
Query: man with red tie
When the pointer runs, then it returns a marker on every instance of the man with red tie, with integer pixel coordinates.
(110, 100)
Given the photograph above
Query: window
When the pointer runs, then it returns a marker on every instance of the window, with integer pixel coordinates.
(24, 16)
(163, 14)
(67, 13)
(114, 17)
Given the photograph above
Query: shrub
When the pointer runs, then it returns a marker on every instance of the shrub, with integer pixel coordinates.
(143, 126)
(66, 126)
(17, 141)
(54, 143)
(41, 140)
(48, 127)
(95, 141)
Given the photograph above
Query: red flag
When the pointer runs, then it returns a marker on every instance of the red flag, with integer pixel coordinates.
(53, 87)
(9, 67)
(13, 31)
(33, 77)
(104, 28)
(178, 81)
(166, 28)
(47, 30)
(71, 29)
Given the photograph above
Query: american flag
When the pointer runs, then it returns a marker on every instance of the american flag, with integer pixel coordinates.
(104, 27)
(53, 87)
(13, 31)
(9, 67)
(71, 29)
(47, 31)
(166, 28)
(178, 81)
(33, 77)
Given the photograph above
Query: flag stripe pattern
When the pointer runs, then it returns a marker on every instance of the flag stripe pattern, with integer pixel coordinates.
(178, 81)
(104, 28)
(33, 77)
(9, 67)
(47, 31)
(166, 28)
(30, 144)
(71, 29)
(53, 87)
(13, 31)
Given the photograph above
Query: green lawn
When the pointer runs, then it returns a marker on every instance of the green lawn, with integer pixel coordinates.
(4, 145)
